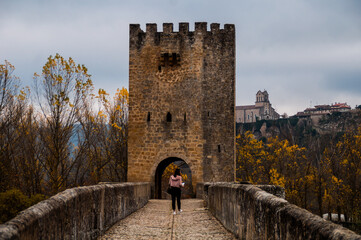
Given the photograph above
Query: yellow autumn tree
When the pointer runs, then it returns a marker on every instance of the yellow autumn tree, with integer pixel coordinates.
(13, 107)
(60, 92)
(342, 161)
(105, 135)
(250, 158)
(274, 162)
(29, 165)
(294, 169)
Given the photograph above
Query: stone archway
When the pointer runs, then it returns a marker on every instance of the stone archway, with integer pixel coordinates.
(159, 190)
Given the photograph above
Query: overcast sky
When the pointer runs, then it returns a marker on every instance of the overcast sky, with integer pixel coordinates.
(303, 52)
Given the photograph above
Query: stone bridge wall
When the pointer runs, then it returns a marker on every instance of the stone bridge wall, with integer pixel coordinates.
(78, 213)
(251, 213)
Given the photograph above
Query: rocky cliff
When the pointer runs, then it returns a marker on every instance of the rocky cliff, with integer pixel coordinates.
(301, 130)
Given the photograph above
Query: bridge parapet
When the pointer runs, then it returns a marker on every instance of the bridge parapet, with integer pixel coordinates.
(78, 213)
(276, 190)
(252, 213)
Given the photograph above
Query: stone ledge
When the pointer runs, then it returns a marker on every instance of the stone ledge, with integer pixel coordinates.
(272, 189)
(252, 213)
(78, 213)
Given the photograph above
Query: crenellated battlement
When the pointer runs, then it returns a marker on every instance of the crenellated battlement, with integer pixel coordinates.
(199, 27)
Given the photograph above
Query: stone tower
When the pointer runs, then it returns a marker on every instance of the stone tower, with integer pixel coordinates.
(261, 98)
(181, 101)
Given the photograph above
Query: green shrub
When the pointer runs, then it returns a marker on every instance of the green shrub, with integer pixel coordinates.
(36, 198)
(293, 121)
(14, 201)
(259, 124)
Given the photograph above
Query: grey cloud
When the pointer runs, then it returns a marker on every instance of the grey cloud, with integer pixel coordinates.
(291, 48)
(347, 82)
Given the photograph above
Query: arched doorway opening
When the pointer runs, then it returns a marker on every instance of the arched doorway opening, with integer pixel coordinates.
(162, 177)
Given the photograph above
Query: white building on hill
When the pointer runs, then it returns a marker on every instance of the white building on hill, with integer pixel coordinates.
(261, 110)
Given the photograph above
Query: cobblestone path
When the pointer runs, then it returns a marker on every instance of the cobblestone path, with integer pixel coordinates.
(156, 221)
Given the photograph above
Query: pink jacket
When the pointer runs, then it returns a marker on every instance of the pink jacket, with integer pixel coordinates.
(175, 181)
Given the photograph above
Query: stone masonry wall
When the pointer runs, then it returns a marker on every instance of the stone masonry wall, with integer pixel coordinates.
(251, 213)
(191, 76)
(77, 213)
(272, 189)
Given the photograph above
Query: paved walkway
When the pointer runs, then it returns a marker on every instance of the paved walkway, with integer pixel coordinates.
(156, 221)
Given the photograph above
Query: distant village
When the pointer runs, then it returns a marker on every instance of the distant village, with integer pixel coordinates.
(263, 110)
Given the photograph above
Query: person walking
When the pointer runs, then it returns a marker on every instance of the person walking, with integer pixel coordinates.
(175, 182)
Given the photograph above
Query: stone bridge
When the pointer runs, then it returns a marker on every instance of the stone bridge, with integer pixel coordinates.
(221, 211)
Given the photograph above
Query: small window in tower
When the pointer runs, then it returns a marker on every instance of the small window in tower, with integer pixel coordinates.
(185, 117)
(208, 114)
(163, 59)
(159, 68)
(169, 59)
(169, 117)
(148, 117)
(219, 148)
(173, 59)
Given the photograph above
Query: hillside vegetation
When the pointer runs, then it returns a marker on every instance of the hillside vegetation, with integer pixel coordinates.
(318, 162)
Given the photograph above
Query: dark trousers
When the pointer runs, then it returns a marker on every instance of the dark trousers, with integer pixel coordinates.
(176, 193)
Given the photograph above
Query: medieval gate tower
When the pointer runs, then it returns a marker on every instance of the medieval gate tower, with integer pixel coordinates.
(182, 101)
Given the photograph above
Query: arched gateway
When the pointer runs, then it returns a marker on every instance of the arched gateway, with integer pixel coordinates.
(181, 101)
(161, 179)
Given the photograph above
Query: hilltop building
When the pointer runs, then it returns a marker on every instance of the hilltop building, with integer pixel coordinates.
(262, 110)
(320, 110)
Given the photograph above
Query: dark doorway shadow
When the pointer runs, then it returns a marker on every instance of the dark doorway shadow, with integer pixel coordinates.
(159, 190)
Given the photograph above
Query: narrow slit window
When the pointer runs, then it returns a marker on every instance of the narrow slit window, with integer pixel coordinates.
(169, 117)
(173, 59)
(148, 117)
(185, 117)
(219, 148)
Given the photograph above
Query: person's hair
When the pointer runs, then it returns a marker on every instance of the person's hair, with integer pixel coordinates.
(177, 172)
